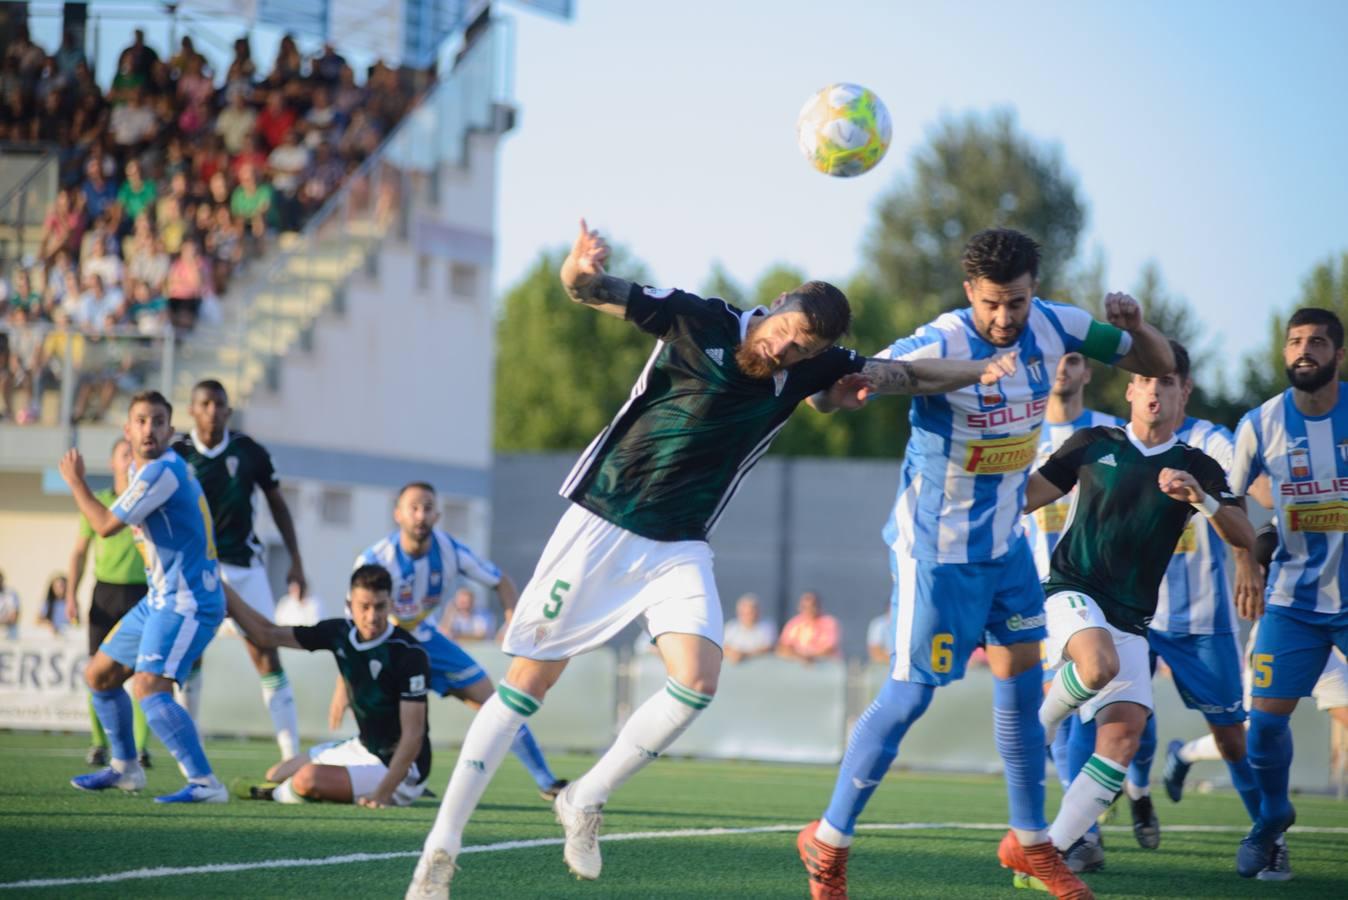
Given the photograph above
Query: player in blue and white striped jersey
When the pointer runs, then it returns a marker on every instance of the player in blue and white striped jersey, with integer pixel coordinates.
(962, 568)
(426, 564)
(1300, 439)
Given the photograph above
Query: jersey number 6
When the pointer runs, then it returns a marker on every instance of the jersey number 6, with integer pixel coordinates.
(554, 604)
(942, 657)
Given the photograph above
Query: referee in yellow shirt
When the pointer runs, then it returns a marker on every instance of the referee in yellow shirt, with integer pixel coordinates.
(119, 570)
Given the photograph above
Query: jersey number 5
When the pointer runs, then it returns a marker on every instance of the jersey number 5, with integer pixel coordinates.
(554, 604)
(1263, 669)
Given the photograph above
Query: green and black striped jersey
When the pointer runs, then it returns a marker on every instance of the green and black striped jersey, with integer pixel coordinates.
(694, 425)
(229, 472)
(1122, 530)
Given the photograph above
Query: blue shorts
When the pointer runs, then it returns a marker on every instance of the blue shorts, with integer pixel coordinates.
(1291, 650)
(942, 611)
(1207, 672)
(161, 641)
(452, 669)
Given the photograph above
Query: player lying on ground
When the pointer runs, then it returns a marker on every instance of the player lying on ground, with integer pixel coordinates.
(1298, 439)
(718, 387)
(159, 639)
(962, 568)
(1136, 487)
(424, 563)
(386, 672)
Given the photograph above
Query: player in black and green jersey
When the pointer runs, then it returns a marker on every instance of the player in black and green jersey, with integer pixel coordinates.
(386, 673)
(231, 466)
(1136, 486)
(719, 385)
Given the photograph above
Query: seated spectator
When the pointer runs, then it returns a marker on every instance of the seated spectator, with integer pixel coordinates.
(99, 192)
(224, 247)
(70, 55)
(133, 124)
(326, 68)
(321, 121)
(880, 637)
(23, 296)
(235, 124)
(98, 261)
(251, 202)
(464, 622)
(148, 309)
(151, 265)
(9, 609)
(361, 137)
(254, 157)
(52, 613)
(749, 635)
(276, 120)
(63, 228)
(92, 309)
(295, 608)
(286, 168)
(810, 635)
(186, 287)
(137, 193)
(323, 179)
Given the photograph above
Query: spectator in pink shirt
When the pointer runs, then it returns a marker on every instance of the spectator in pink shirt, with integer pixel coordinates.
(810, 635)
(187, 281)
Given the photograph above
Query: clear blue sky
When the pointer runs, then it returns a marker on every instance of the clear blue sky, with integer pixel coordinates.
(1209, 137)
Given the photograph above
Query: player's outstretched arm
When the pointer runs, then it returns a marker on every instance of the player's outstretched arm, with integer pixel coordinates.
(584, 277)
(256, 628)
(1039, 491)
(101, 519)
(412, 725)
(918, 376)
(1151, 354)
(1228, 518)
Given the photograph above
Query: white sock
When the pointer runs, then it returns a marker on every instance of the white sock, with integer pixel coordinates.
(649, 731)
(285, 793)
(285, 720)
(1064, 696)
(1199, 749)
(485, 744)
(206, 780)
(827, 834)
(188, 694)
(125, 766)
(1134, 792)
(1091, 793)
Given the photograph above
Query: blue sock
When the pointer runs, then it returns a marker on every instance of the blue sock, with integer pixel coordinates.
(172, 725)
(1058, 748)
(873, 746)
(1139, 771)
(1242, 779)
(1270, 758)
(1079, 749)
(1019, 736)
(529, 753)
(117, 717)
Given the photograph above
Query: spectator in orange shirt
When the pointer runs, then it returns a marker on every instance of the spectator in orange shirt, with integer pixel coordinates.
(810, 635)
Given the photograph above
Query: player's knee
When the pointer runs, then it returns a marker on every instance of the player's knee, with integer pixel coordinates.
(1098, 669)
(305, 782)
(143, 684)
(702, 682)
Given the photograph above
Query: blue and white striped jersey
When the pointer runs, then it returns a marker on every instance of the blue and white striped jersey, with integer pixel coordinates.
(1195, 596)
(168, 514)
(1045, 525)
(421, 585)
(963, 481)
(1307, 461)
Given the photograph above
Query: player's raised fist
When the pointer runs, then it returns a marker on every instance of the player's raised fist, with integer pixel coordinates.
(72, 467)
(1180, 485)
(849, 392)
(1122, 311)
(999, 367)
(588, 255)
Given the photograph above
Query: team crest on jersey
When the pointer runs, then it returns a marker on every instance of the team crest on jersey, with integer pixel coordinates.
(778, 381)
(375, 668)
(232, 465)
(1299, 461)
(1343, 450)
(1034, 369)
(989, 396)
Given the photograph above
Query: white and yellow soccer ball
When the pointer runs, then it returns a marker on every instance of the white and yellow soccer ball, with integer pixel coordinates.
(843, 130)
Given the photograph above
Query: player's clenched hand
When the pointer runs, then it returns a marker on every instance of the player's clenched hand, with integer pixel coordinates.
(72, 467)
(1122, 311)
(1249, 586)
(586, 260)
(1180, 485)
(849, 392)
(376, 800)
(999, 367)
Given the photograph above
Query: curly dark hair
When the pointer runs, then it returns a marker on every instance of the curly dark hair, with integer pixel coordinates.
(1314, 315)
(826, 308)
(1001, 255)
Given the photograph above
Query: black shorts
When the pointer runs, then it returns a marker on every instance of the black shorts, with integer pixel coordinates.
(110, 603)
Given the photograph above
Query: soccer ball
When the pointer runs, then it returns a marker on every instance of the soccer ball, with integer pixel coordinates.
(843, 130)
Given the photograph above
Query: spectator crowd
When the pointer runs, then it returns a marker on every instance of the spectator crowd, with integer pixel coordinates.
(171, 179)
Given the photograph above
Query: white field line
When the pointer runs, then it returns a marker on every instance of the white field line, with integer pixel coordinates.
(217, 868)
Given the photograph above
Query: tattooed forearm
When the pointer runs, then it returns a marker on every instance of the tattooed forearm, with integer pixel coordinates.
(890, 376)
(604, 290)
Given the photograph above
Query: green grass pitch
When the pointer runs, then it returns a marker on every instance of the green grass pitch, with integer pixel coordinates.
(52, 831)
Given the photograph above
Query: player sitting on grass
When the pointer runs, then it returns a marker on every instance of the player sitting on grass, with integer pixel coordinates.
(386, 672)
(1136, 490)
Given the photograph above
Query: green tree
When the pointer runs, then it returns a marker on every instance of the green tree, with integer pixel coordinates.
(1325, 287)
(562, 371)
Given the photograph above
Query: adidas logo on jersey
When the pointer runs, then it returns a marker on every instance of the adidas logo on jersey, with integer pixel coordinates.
(717, 355)
(1108, 460)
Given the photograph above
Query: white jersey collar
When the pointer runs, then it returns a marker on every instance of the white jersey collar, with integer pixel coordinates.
(209, 452)
(1143, 448)
(747, 316)
(368, 645)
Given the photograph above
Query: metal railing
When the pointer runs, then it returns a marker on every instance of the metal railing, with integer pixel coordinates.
(24, 204)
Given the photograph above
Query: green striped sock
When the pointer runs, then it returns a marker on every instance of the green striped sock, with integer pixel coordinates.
(274, 681)
(1072, 684)
(1105, 773)
(518, 701)
(687, 695)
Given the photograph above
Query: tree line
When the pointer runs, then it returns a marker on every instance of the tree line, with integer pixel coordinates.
(974, 171)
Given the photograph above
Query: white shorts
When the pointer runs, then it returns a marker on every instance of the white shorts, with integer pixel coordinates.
(250, 583)
(1068, 612)
(366, 770)
(594, 579)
